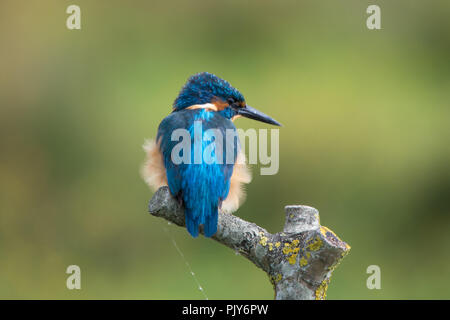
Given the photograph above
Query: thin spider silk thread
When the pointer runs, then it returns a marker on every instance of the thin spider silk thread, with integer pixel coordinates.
(186, 262)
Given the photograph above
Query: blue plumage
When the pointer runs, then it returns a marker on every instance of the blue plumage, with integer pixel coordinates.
(202, 187)
(203, 88)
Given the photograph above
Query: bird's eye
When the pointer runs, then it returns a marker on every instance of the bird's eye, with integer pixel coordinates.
(231, 101)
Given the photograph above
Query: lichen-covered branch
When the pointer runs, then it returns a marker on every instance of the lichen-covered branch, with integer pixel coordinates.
(299, 260)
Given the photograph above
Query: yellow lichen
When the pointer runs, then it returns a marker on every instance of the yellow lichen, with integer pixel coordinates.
(291, 250)
(263, 240)
(315, 244)
(277, 244)
(321, 291)
(303, 262)
(287, 250)
(292, 258)
(270, 246)
(276, 279)
(324, 230)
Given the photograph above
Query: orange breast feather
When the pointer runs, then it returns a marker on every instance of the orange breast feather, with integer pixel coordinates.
(153, 170)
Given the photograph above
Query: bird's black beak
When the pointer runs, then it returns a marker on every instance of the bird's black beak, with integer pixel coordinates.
(254, 114)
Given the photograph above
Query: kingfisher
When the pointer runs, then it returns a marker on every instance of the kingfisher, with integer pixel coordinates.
(204, 188)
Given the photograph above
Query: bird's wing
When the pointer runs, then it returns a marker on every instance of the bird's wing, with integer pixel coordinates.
(201, 186)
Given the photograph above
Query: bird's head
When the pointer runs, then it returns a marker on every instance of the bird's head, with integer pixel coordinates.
(207, 91)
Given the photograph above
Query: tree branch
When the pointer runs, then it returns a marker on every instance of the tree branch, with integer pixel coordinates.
(299, 261)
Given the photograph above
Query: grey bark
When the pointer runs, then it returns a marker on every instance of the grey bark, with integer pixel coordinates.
(299, 260)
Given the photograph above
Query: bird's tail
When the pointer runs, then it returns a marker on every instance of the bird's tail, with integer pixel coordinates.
(202, 216)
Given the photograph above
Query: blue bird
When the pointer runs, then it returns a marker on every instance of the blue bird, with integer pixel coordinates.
(203, 187)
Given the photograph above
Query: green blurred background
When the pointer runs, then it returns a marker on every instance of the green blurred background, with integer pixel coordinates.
(365, 140)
